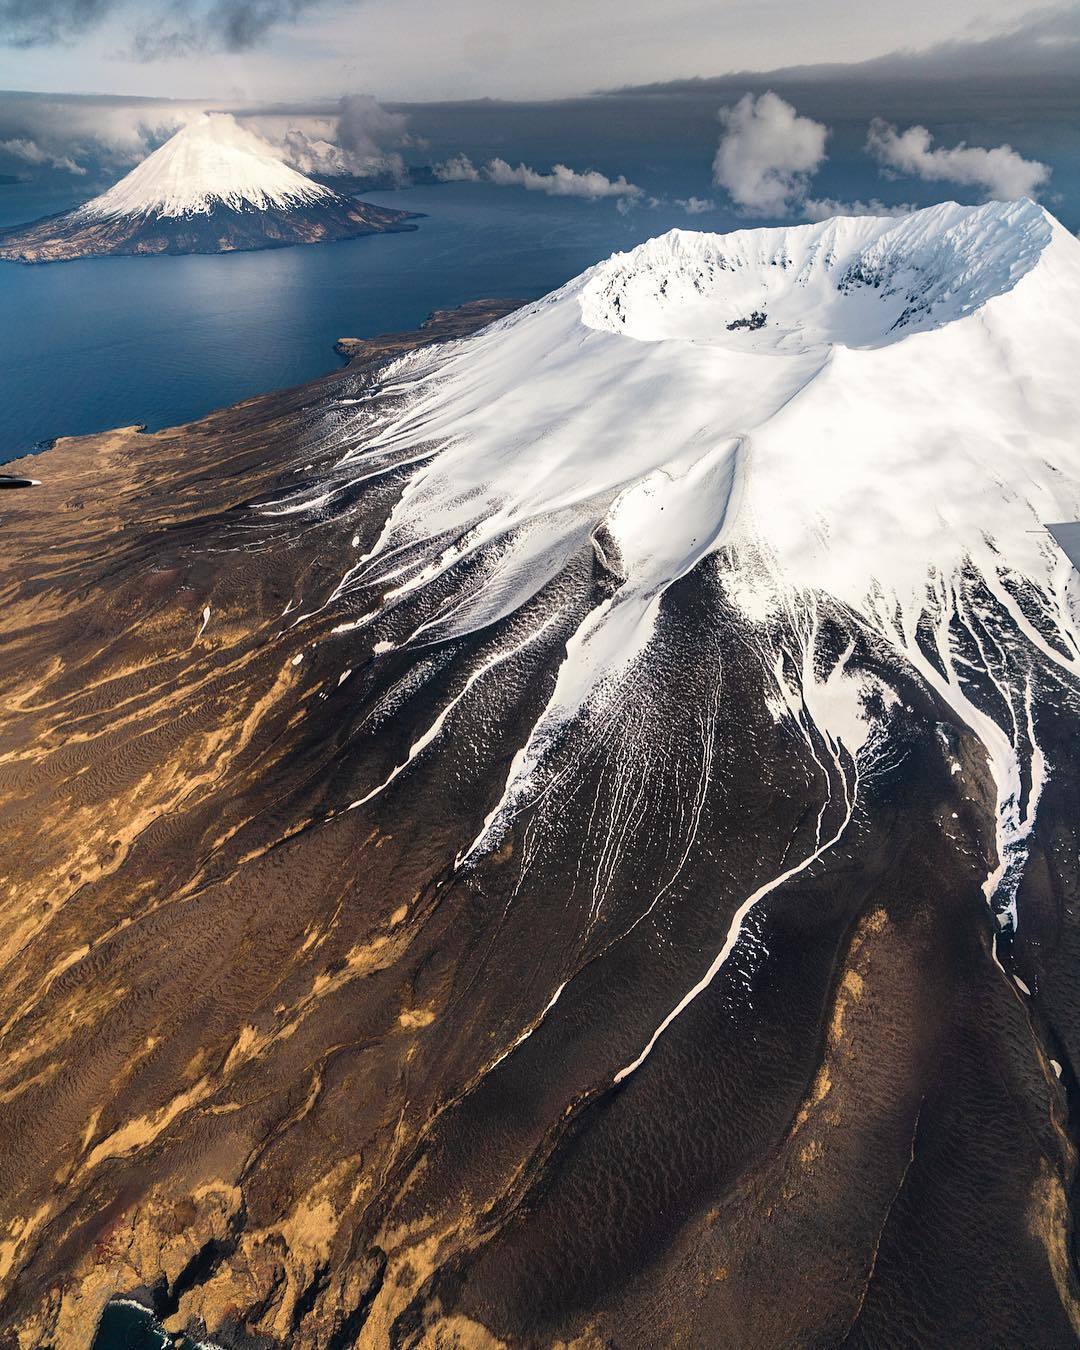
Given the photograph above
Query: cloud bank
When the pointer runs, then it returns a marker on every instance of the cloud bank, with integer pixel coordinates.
(767, 154)
(824, 208)
(106, 137)
(363, 138)
(562, 181)
(32, 153)
(458, 169)
(1002, 173)
(80, 136)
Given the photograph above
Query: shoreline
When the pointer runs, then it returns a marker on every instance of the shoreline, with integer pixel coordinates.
(440, 325)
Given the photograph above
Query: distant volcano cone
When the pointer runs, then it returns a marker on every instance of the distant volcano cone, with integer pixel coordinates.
(213, 187)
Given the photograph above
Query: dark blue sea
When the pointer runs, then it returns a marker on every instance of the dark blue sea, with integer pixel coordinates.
(99, 343)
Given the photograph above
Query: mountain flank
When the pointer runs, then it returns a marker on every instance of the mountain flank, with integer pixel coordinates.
(567, 835)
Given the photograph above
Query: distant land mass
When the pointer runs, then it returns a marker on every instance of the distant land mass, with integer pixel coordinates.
(213, 187)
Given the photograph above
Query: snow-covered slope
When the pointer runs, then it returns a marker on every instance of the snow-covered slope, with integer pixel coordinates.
(854, 282)
(870, 417)
(210, 162)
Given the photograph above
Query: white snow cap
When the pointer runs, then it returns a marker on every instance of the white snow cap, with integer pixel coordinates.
(872, 402)
(211, 162)
(873, 397)
(849, 281)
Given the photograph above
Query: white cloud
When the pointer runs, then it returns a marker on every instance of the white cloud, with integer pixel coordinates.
(362, 138)
(824, 208)
(767, 154)
(695, 206)
(32, 153)
(416, 50)
(560, 182)
(108, 137)
(105, 137)
(457, 169)
(1002, 172)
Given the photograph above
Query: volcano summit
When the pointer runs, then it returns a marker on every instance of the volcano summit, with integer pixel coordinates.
(569, 835)
(213, 187)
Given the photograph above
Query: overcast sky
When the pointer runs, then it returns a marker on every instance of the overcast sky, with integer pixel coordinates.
(438, 49)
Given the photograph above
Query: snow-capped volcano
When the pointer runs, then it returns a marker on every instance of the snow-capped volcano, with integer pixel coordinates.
(845, 282)
(211, 162)
(697, 644)
(212, 187)
(865, 420)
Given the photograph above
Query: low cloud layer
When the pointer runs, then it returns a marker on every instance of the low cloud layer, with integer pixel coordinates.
(824, 208)
(1001, 172)
(767, 154)
(103, 137)
(32, 153)
(363, 138)
(458, 169)
(562, 181)
(106, 137)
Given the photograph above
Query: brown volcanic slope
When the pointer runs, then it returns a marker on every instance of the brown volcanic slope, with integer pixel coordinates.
(267, 1060)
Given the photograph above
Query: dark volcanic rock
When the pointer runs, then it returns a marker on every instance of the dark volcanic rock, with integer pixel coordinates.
(441, 324)
(225, 229)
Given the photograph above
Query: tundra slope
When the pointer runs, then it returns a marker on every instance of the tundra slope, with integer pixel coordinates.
(572, 835)
(213, 187)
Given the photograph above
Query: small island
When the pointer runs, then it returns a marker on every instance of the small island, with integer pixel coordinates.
(213, 187)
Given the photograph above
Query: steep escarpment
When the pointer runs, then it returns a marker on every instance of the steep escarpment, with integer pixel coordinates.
(569, 835)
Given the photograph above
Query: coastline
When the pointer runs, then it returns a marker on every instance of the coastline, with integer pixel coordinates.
(439, 326)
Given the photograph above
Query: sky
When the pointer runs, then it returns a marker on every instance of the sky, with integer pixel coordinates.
(417, 50)
(858, 109)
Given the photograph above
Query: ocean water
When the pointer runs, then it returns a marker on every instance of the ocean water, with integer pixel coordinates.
(111, 341)
(107, 342)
